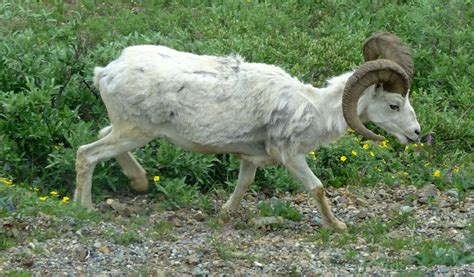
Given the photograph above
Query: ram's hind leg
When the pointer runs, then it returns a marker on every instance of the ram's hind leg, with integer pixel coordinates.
(246, 177)
(300, 169)
(111, 145)
(130, 166)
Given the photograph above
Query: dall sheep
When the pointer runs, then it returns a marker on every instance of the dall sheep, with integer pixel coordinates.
(256, 111)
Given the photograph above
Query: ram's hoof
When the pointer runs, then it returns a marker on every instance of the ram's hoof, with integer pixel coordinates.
(336, 225)
(139, 185)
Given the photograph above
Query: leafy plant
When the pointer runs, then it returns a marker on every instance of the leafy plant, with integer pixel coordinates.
(442, 253)
(49, 106)
(276, 207)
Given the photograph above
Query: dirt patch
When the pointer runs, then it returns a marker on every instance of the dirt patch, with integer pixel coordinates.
(389, 228)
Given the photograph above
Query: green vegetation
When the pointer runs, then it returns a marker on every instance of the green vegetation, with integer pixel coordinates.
(276, 207)
(441, 252)
(49, 107)
(229, 251)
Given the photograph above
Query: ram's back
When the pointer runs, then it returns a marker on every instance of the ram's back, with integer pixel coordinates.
(207, 100)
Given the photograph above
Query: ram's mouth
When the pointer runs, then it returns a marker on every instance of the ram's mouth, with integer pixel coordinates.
(410, 140)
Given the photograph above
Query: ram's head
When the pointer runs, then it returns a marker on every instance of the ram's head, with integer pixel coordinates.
(386, 76)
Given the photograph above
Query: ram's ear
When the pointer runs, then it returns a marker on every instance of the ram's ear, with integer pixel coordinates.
(378, 89)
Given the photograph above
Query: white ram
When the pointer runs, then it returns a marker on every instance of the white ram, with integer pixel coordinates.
(257, 111)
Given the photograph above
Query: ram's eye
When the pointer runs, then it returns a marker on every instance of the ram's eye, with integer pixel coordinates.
(395, 107)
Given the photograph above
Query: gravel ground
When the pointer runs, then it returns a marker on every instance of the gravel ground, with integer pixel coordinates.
(188, 242)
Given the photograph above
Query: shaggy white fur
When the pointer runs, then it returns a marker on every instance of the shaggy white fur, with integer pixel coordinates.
(226, 105)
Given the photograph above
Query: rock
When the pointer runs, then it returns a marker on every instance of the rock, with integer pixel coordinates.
(299, 198)
(263, 221)
(423, 200)
(396, 234)
(81, 253)
(443, 269)
(429, 191)
(341, 200)
(120, 208)
(362, 214)
(104, 249)
(452, 193)
(71, 222)
(27, 262)
(316, 220)
(380, 196)
(199, 271)
(192, 260)
(406, 209)
(361, 202)
(175, 221)
(15, 232)
(43, 216)
(97, 244)
(199, 216)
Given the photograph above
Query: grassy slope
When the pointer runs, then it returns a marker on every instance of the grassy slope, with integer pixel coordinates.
(48, 108)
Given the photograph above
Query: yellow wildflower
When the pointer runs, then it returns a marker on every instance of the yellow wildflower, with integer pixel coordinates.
(351, 130)
(384, 144)
(354, 153)
(312, 153)
(422, 144)
(65, 199)
(343, 158)
(407, 147)
(365, 146)
(54, 193)
(456, 168)
(43, 198)
(6, 181)
(415, 145)
(156, 178)
(436, 173)
(372, 154)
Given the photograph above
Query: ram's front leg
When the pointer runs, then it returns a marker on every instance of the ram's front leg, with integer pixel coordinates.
(299, 168)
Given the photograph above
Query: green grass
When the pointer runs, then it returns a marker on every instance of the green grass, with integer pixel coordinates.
(442, 253)
(48, 106)
(228, 251)
(276, 207)
(162, 230)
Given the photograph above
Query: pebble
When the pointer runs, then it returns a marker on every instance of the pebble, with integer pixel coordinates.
(362, 214)
(198, 248)
(406, 209)
(452, 193)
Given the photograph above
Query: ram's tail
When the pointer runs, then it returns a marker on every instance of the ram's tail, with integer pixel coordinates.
(98, 72)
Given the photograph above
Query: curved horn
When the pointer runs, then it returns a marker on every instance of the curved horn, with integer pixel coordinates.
(388, 46)
(394, 79)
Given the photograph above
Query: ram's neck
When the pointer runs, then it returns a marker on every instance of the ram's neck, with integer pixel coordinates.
(328, 101)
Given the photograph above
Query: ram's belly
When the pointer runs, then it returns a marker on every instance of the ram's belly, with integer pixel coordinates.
(199, 145)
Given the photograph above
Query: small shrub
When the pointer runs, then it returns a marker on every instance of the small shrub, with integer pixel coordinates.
(276, 207)
(442, 253)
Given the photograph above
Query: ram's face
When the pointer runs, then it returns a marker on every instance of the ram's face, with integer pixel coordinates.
(394, 113)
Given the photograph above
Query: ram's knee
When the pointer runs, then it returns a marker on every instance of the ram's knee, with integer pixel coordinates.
(104, 131)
